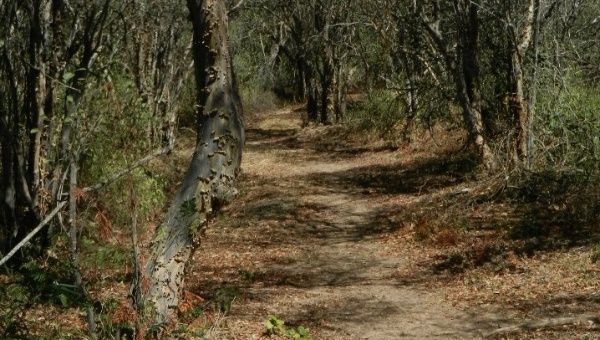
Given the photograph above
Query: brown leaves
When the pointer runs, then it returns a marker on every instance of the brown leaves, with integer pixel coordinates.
(104, 224)
(447, 237)
(124, 314)
(189, 301)
(78, 192)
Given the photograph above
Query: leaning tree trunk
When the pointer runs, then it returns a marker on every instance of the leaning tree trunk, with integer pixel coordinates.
(208, 182)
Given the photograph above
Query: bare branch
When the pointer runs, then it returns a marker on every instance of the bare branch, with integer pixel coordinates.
(113, 178)
(33, 233)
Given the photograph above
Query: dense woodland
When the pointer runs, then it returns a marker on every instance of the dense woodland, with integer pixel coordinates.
(100, 101)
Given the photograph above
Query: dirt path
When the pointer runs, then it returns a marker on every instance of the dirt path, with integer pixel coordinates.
(303, 244)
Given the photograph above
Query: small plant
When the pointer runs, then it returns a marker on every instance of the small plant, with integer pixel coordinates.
(225, 297)
(276, 326)
(596, 253)
(188, 208)
(247, 275)
(422, 230)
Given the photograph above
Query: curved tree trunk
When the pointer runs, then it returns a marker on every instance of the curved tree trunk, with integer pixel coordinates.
(208, 182)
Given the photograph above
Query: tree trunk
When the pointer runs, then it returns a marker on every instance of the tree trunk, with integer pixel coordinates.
(467, 80)
(40, 54)
(208, 182)
(534, 81)
(517, 107)
(301, 91)
(324, 102)
(8, 125)
(517, 104)
(312, 107)
(340, 90)
(326, 80)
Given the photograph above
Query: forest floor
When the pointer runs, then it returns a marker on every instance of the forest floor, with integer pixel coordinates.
(363, 240)
(353, 237)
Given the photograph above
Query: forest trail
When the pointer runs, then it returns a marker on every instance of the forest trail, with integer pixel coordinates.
(303, 243)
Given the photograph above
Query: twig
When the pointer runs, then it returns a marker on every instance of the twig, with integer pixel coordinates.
(236, 7)
(133, 166)
(33, 232)
(546, 323)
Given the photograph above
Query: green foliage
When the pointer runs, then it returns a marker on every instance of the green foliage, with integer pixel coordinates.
(247, 275)
(225, 297)
(257, 99)
(188, 208)
(105, 255)
(35, 284)
(115, 200)
(568, 126)
(186, 112)
(379, 112)
(121, 135)
(45, 284)
(254, 79)
(14, 297)
(18, 293)
(596, 253)
(529, 228)
(194, 312)
(276, 326)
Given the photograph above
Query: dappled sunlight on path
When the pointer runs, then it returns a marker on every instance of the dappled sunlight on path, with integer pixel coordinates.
(303, 241)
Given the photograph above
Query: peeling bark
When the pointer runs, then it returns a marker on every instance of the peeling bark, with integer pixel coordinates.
(208, 182)
(517, 105)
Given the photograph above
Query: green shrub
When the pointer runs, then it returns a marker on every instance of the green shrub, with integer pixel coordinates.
(567, 129)
(122, 136)
(256, 99)
(378, 112)
(276, 326)
(596, 253)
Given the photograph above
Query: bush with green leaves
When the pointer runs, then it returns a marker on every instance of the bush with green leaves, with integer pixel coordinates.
(567, 129)
(122, 134)
(379, 111)
(596, 253)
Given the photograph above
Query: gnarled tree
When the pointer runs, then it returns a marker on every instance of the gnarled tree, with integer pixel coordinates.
(208, 182)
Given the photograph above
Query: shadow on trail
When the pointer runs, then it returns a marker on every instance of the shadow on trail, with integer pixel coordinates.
(422, 177)
(367, 311)
(318, 223)
(274, 139)
(261, 140)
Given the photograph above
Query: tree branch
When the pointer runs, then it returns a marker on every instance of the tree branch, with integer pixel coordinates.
(47, 219)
